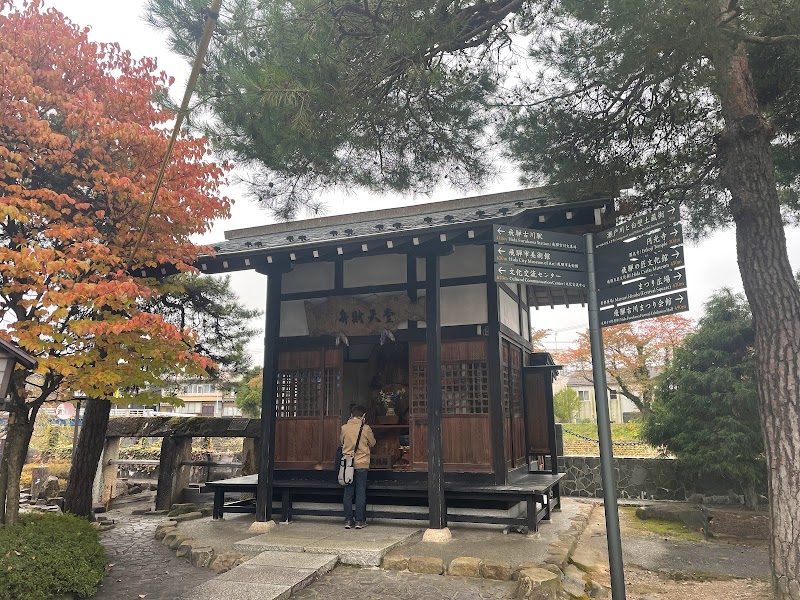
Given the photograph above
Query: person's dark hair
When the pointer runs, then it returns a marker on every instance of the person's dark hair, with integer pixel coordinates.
(358, 411)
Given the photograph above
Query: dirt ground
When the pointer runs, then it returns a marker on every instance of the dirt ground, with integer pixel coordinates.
(649, 585)
(677, 558)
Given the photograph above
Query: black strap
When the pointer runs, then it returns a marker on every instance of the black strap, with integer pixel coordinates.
(358, 439)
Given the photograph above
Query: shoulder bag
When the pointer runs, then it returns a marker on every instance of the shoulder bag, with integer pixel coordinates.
(347, 463)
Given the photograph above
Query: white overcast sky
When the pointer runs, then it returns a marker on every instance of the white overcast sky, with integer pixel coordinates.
(710, 264)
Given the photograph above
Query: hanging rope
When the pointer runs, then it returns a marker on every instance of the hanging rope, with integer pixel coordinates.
(212, 14)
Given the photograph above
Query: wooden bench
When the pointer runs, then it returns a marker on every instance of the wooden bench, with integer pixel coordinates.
(539, 492)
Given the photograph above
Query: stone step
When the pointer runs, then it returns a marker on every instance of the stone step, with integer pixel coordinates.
(272, 575)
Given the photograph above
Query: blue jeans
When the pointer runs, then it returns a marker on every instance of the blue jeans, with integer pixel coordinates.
(359, 487)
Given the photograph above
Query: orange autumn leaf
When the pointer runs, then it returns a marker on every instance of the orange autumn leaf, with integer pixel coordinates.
(81, 139)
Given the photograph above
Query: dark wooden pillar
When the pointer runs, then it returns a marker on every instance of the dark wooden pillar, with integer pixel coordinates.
(496, 414)
(551, 420)
(269, 390)
(433, 367)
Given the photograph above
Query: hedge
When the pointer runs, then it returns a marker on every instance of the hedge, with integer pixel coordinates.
(47, 554)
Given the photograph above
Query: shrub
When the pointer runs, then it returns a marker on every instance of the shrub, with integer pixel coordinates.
(49, 554)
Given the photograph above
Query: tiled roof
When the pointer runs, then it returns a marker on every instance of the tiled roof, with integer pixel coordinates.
(417, 219)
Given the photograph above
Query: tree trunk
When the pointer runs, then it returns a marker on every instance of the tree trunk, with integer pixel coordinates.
(748, 173)
(18, 439)
(750, 496)
(78, 498)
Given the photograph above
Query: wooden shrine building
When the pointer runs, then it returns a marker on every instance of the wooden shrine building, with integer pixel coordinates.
(398, 310)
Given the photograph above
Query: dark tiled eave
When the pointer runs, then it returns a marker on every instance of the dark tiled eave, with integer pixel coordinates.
(394, 230)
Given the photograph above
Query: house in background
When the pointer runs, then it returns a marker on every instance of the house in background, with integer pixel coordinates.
(621, 409)
(206, 398)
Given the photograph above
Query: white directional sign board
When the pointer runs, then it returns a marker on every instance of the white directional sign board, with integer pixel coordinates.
(565, 242)
(538, 276)
(645, 309)
(537, 257)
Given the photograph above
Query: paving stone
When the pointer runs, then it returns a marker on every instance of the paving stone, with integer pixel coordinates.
(350, 583)
(180, 509)
(297, 579)
(237, 590)
(465, 566)
(537, 584)
(185, 549)
(432, 565)
(588, 560)
(301, 560)
(496, 569)
(201, 556)
(190, 516)
(225, 561)
(397, 562)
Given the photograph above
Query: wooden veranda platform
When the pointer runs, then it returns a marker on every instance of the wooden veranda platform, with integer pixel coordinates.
(539, 491)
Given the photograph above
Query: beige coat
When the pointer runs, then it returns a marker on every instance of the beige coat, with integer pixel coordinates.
(348, 439)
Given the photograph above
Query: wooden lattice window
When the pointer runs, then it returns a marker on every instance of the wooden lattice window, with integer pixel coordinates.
(465, 388)
(511, 368)
(299, 393)
(333, 385)
(419, 389)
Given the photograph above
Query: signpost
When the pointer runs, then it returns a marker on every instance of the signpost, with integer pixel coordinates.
(551, 259)
(633, 271)
(667, 215)
(539, 239)
(621, 270)
(645, 309)
(659, 283)
(537, 276)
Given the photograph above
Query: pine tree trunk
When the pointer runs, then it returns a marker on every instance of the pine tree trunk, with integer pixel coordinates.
(78, 498)
(748, 173)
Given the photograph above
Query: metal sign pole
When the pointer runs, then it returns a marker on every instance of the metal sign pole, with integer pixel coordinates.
(604, 431)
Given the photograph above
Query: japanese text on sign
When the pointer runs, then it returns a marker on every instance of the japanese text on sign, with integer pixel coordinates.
(645, 309)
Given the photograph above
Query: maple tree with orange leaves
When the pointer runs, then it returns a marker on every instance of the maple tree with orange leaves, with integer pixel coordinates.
(634, 352)
(82, 134)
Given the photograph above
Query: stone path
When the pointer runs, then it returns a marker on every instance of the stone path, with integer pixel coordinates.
(268, 576)
(350, 583)
(138, 566)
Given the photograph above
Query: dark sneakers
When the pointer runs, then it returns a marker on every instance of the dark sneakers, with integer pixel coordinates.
(349, 524)
(361, 524)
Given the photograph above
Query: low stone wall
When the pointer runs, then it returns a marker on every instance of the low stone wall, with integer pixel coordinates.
(645, 478)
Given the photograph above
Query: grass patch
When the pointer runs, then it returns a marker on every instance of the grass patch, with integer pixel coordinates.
(620, 432)
(668, 529)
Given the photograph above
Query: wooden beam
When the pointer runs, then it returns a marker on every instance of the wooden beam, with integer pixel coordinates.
(269, 393)
(433, 367)
(496, 414)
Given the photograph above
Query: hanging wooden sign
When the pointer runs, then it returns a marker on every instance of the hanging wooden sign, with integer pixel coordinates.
(361, 316)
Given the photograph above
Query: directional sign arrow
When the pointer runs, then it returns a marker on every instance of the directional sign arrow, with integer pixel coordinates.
(538, 276)
(619, 270)
(644, 245)
(638, 225)
(538, 257)
(565, 242)
(645, 309)
(658, 283)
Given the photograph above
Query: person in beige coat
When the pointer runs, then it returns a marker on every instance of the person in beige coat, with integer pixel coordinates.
(361, 455)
